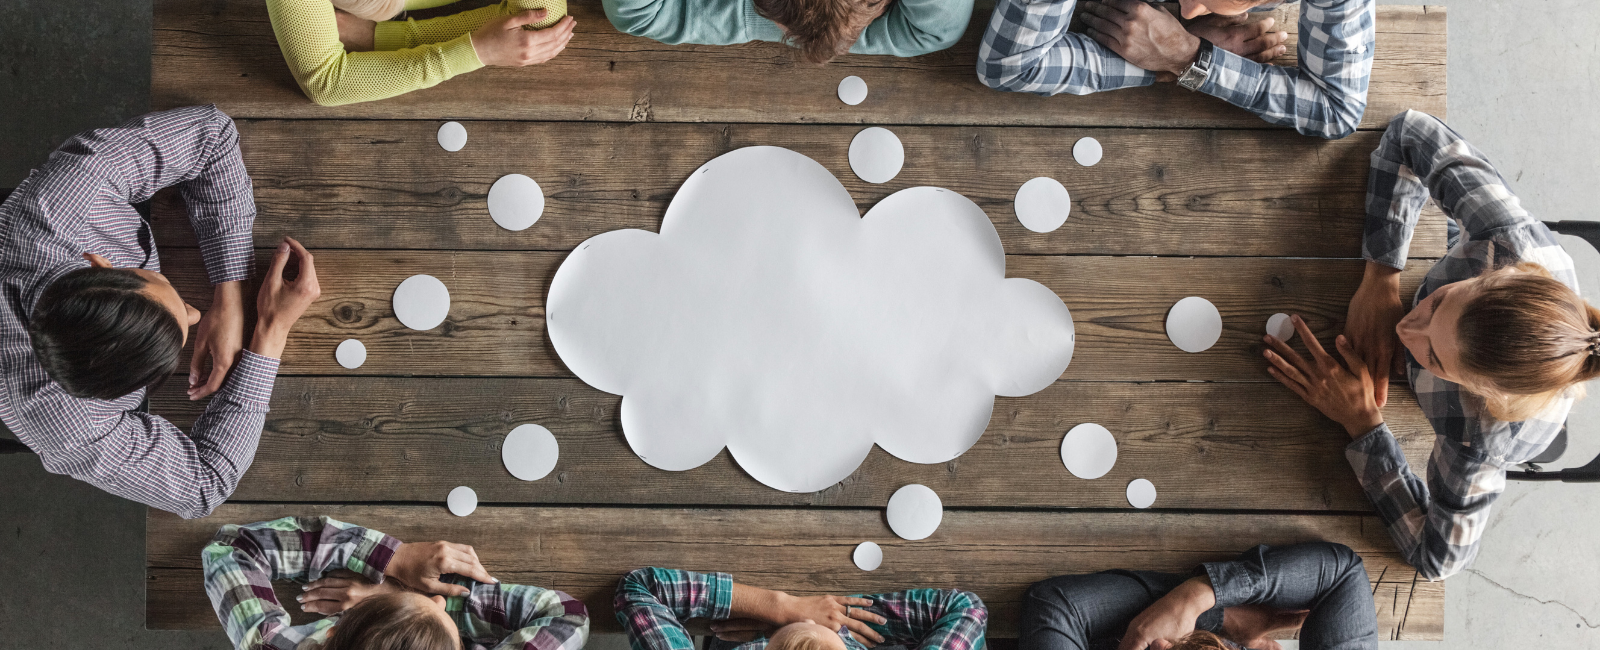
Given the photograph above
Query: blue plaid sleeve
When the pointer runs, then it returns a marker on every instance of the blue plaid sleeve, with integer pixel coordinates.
(517, 617)
(931, 619)
(1326, 94)
(1028, 49)
(652, 604)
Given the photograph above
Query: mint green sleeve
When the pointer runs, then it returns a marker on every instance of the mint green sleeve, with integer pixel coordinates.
(702, 22)
(915, 27)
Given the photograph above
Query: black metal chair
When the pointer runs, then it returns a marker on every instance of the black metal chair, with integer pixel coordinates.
(1588, 231)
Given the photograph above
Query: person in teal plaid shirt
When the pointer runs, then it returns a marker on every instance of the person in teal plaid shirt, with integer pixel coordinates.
(652, 604)
(375, 590)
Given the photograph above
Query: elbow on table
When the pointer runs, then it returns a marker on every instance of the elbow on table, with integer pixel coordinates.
(1346, 118)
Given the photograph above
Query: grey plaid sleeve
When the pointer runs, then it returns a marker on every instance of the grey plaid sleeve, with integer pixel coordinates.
(1028, 49)
(1326, 94)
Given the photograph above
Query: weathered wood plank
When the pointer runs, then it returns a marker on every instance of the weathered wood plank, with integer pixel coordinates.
(224, 52)
(405, 440)
(496, 322)
(583, 551)
(387, 184)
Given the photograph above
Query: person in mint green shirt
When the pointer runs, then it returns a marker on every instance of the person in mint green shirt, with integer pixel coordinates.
(821, 29)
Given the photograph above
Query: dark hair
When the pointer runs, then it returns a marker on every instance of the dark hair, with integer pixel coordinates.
(390, 622)
(98, 334)
(819, 28)
(1526, 338)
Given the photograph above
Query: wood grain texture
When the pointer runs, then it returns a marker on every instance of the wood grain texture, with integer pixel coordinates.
(1212, 446)
(496, 322)
(583, 551)
(388, 184)
(224, 52)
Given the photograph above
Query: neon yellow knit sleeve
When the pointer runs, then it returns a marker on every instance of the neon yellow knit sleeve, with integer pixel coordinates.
(401, 34)
(308, 34)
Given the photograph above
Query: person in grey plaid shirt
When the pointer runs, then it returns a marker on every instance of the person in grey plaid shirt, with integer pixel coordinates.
(1128, 43)
(1496, 344)
(88, 323)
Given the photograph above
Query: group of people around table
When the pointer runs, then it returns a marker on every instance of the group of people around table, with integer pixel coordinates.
(1496, 342)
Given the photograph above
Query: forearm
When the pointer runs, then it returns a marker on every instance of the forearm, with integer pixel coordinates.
(652, 602)
(394, 35)
(932, 619)
(541, 619)
(915, 27)
(760, 604)
(1027, 48)
(1288, 96)
(308, 34)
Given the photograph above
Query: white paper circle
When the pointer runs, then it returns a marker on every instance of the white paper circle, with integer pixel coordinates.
(1089, 451)
(1087, 151)
(853, 91)
(530, 452)
(515, 202)
(421, 302)
(876, 155)
(868, 556)
(462, 501)
(1043, 204)
(350, 354)
(1141, 493)
(452, 136)
(1280, 327)
(915, 512)
(1194, 325)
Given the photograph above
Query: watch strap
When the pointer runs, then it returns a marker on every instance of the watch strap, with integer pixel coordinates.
(1200, 70)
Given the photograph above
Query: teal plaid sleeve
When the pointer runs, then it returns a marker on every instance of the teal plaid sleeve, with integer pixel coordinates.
(517, 617)
(242, 562)
(931, 619)
(652, 604)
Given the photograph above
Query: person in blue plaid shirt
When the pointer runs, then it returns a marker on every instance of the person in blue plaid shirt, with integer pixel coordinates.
(1496, 344)
(1128, 43)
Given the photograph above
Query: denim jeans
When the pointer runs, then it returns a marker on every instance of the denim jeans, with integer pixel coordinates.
(1084, 612)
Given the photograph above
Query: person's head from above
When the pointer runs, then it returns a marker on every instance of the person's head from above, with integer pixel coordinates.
(805, 635)
(822, 29)
(103, 333)
(1515, 337)
(1191, 9)
(374, 10)
(403, 620)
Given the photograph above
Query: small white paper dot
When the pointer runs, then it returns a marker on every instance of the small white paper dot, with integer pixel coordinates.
(462, 501)
(1087, 151)
(1043, 204)
(1194, 325)
(852, 90)
(1280, 327)
(915, 512)
(868, 556)
(1141, 493)
(452, 136)
(876, 155)
(515, 202)
(421, 302)
(350, 354)
(1089, 451)
(530, 452)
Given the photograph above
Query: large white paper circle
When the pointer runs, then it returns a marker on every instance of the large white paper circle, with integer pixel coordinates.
(1089, 451)
(1141, 493)
(852, 90)
(1043, 204)
(1280, 327)
(915, 512)
(350, 354)
(530, 452)
(1194, 325)
(868, 556)
(515, 202)
(462, 501)
(421, 302)
(1087, 152)
(876, 155)
(452, 136)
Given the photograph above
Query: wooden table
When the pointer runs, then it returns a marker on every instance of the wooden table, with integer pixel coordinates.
(1200, 199)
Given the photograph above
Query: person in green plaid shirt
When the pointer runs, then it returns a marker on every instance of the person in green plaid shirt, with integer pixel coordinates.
(652, 604)
(360, 577)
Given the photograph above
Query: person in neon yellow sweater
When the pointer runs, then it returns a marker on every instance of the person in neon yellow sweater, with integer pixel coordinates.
(348, 51)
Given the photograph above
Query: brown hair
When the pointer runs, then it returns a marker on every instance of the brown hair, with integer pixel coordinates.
(374, 10)
(820, 29)
(392, 621)
(1527, 339)
(1200, 640)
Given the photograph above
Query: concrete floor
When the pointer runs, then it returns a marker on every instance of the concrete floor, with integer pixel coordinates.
(1518, 69)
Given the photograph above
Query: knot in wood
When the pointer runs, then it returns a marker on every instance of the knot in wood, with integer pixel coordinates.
(349, 312)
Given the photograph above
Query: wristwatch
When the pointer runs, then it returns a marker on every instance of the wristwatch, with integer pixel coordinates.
(1196, 75)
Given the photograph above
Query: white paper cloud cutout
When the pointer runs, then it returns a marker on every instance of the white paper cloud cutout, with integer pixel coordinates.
(770, 318)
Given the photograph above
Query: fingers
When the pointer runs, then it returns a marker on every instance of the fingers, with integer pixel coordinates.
(1312, 344)
(308, 268)
(1288, 353)
(863, 631)
(1358, 366)
(866, 615)
(854, 601)
(280, 259)
(197, 365)
(1102, 19)
(1284, 369)
(1126, 7)
(467, 564)
(219, 373)
(1109, 41)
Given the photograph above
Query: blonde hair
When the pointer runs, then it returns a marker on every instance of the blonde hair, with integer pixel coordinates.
(1526, 339)
(377, 10)
(1200, 640)
(808, 639)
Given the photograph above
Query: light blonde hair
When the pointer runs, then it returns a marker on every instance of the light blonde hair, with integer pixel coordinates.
(1525, 340)
(808, 639)
(378, 10)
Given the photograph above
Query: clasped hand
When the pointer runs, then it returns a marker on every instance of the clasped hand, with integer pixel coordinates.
(1153, 39)
(414, 567)
(832, 612)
